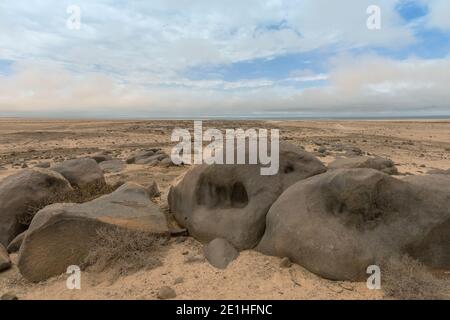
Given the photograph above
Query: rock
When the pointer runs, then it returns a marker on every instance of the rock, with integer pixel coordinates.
(439, 171)
(101, 157)
(178, 280)
(166, 162)
(142, 155)
(50, 245)
(166, 293)
(22, 191)
(152, 159)
(9, 296)
(112, 166)
(353, 152)
(5, 262)
(81, 172)
(220, 253)
(44, 165)
(322, 149)
(338, 223)
(118, 184)
(384, 165)
(15, 244)
(231, 201)
(285, 263)
(153, 190)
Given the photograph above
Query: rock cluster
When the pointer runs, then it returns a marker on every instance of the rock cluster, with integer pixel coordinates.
(231, 201)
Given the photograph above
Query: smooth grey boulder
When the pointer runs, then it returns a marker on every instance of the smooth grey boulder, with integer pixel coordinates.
(384, 165)
(61, 235)
(5, 262)
(231, 201)
(338, 223)
(112, 166)
(220, 253)
(80, 173)
(22, 191)
(15, 244)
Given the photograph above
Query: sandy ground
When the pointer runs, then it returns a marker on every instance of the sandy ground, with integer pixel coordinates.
(415, 147)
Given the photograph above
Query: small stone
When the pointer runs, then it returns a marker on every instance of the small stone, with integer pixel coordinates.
(220, 253)
(322, 149)
(178, 280)
(166, 293)
(9, 296)
(166, 162)
(285, 263)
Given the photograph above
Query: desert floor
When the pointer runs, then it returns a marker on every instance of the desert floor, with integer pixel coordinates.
(414, 146)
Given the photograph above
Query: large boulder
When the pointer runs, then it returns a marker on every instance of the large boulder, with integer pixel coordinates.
(5, 262)
(81, 173)
(61, 235)
(22, 191)
(384, 165)
(338, 223)
(231, 201)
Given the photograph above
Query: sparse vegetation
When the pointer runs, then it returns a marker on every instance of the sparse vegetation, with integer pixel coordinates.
(78, 195)
(123, 251)
(405, 278)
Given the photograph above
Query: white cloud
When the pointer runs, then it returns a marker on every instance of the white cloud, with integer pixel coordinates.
(370, 84)
(439, 15)
(161, 38)
(130, 57)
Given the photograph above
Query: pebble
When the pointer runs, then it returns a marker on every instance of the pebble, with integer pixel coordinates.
(285, 263)
(166, 293)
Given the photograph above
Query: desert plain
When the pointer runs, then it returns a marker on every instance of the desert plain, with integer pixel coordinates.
(416, 147)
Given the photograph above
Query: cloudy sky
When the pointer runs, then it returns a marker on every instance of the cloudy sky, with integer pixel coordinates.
(191, 58)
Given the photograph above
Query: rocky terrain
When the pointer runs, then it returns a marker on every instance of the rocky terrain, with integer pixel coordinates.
(105, 195)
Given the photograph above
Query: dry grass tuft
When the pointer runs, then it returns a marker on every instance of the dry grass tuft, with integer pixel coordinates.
(405, 278)
(78, 195)
(123, 251)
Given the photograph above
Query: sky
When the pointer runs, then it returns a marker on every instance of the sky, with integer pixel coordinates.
(234, 58)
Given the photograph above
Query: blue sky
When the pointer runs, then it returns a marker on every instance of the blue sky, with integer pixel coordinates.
(212, 58)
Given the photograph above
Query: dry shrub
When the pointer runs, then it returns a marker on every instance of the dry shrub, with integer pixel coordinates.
(123, 251)
(78, 195)
(405, 278)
